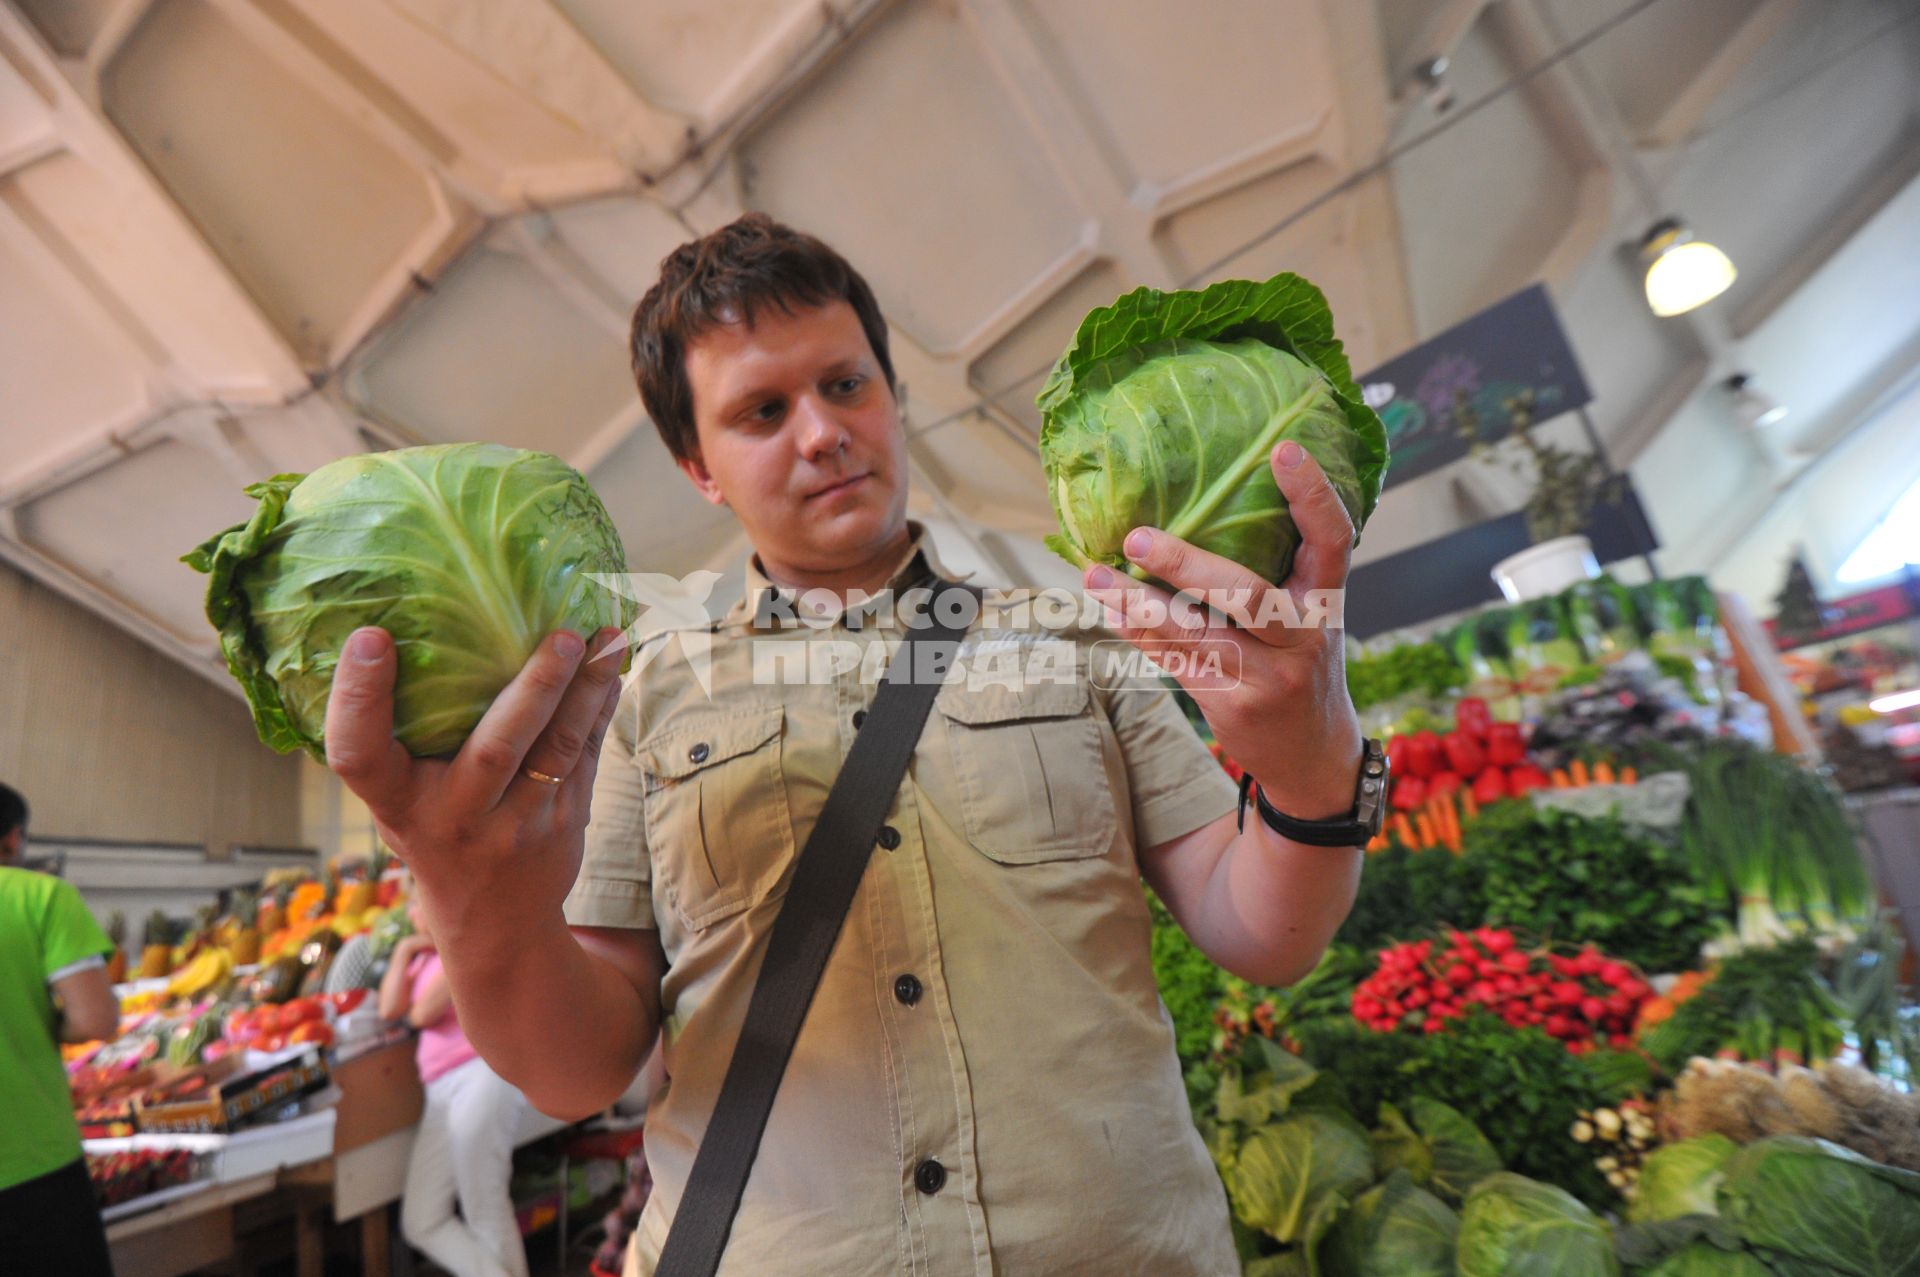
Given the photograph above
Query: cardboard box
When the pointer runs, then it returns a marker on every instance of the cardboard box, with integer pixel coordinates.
(233, 1101)
(380, 1093)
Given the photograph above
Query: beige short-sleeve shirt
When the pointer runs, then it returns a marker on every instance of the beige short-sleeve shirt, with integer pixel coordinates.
(989, 1006)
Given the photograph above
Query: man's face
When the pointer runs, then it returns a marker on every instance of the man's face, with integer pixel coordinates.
(800, 435)
(13, 846)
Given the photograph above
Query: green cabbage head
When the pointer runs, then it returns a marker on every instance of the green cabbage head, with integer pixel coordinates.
(1164, 410)
(467, 554)
(1513, 1226)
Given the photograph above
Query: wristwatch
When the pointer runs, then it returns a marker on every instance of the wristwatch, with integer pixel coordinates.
(1356, 829)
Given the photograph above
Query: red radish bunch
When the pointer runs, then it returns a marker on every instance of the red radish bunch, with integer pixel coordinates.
(1586, 999)
(1480, 757)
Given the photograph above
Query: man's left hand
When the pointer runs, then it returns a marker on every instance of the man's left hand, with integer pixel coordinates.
(1275, 690)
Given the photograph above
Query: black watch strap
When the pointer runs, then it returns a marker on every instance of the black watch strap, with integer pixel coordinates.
(1356, 829)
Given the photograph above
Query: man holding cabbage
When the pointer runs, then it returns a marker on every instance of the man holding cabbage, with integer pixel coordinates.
(985, 1081)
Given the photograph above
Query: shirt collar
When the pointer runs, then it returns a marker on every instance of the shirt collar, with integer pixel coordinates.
(916, 565)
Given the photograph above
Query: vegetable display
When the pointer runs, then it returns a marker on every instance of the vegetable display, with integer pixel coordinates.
(1597, 881)
(467, 554)
(1165, 408)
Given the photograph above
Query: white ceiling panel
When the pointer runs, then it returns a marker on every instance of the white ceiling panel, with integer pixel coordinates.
(496, 353)
(687, 55)
(63, 366)
(124, 527)
(1013, 369)
(621, 241)
(310, 208)
(151, 274)
(1476, 231)
(1254, 74)
(68, 26)
(907, 152)
(1651, 61)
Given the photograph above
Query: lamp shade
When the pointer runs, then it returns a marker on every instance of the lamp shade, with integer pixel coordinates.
(1683, 272)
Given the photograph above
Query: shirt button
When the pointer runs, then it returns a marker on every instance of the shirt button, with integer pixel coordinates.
(698, 754)
(859, 717)
(907, 989)
(889, 837)
(929, 1176)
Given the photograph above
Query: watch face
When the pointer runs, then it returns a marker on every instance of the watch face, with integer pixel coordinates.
(1370, 809)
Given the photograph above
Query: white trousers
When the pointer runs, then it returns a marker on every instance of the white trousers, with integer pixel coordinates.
(463, 1153)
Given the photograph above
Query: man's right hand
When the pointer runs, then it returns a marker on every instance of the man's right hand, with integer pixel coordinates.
(489, 845)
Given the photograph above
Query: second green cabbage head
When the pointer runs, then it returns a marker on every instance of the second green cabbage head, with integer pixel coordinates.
(467, 554)
(1165, 409)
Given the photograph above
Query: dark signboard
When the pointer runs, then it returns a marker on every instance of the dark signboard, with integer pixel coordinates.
(1467, 383)
(1452, 573)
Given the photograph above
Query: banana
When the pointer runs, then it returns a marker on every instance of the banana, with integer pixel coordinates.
(201, 974)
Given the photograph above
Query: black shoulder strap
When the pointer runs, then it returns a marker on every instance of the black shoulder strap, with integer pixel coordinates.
(825, 880)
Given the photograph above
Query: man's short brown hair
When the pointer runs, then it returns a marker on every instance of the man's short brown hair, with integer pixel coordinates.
(725, 277)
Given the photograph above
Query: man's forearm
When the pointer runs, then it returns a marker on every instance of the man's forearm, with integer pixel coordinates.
(564, 1026)
(1272, 905)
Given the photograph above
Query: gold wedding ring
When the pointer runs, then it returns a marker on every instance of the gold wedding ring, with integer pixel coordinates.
(542, 777)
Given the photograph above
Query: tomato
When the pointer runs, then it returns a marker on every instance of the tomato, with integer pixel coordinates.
(271, 1042)
(312, 1031)
(300, 1011)
(346, 1000)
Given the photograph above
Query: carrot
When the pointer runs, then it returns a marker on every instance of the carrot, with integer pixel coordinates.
(1425, 826)
(1469, 809)
(1578, 771)
(1603, 774)
(1628, 775)
(1403, 830)
(1559, 779)
(1453, 824)
(1378, 842)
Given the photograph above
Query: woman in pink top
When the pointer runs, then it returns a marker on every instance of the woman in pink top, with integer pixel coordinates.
(463, 1149)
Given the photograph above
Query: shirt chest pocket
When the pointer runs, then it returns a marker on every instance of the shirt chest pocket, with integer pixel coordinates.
(1030, 769)
(718, 827)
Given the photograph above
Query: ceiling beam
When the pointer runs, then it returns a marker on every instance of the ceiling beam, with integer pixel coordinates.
(1861, 206)
(1676, 124)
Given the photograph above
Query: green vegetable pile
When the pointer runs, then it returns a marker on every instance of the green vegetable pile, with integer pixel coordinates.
(1426, 668)
(1759, 1002)
(1513, 1084)
(1771, 838)
(1404, 894)
(1593, 881)
(1783, 1205)
(1165, 408)
(467, 554)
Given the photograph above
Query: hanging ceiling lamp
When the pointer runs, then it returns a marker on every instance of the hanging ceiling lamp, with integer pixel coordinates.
(1753, 407)
(1682, 272)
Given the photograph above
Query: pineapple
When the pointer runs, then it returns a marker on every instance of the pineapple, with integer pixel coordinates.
(243, 943)
(273, 909)
(117, 932)
(156, 958)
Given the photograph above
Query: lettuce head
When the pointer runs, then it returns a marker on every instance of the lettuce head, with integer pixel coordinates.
(1165, 408)
(467, 554)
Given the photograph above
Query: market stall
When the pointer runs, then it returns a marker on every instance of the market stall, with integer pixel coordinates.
(1615, 991)
(254, 1099)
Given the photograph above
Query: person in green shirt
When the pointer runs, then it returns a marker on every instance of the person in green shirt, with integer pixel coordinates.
(53, 989)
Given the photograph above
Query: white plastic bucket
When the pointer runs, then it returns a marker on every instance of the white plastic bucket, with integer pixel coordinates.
(1546, 569)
